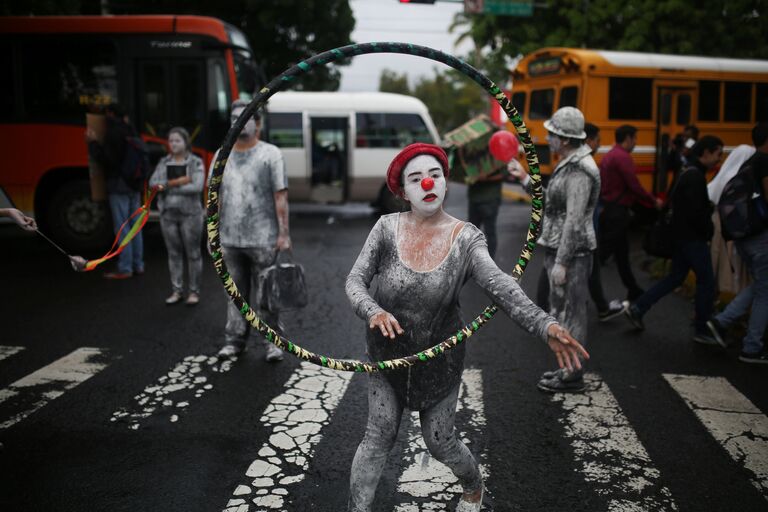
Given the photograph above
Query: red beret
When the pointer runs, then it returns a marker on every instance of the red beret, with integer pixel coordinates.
(408, 154)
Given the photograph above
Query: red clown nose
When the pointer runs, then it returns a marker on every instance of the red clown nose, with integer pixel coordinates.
(427, 184)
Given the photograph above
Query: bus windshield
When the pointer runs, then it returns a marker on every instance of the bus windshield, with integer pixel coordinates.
(246, 70)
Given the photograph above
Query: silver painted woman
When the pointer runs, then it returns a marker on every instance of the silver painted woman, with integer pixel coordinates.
(421, 260)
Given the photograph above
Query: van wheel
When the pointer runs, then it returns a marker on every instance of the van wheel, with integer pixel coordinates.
(77, 223)
(386, 202)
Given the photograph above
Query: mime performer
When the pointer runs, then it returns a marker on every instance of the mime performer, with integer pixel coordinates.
(422, 259)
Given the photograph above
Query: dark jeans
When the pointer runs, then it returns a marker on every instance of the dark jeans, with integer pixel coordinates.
(594, 283)
(689, 254)
(483, 215)
(614, 224)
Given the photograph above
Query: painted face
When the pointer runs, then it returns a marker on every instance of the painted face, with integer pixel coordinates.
(176, 143)
(250, 129)
(555, 143)
(424, 185)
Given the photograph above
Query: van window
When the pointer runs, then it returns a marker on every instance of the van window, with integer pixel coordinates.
(630, 98)
(761, 109)
(542, 102)
(518, 100)
(285, 129)
(709, 100)
(738, 102)
(380, 130)
(568, 96)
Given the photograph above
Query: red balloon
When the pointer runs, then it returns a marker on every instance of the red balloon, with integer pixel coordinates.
(503, 146)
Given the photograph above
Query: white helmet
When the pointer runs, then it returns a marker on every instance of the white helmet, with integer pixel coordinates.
(567, 122)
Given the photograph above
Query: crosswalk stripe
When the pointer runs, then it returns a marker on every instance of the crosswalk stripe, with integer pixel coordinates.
(608, 452)
(428, 480)
(734, 421)
(50, 382)
(296, 418)
(172, 393)
(8, 351)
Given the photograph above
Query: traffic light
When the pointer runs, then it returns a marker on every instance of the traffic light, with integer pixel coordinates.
(417, 1)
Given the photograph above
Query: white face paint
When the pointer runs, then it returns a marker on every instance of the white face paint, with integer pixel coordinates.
(555, 143)
(176, 144)
(424, 203)
(250, 128)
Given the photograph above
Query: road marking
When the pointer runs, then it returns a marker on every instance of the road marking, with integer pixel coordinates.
(734, 421)
(8, 351)
(171, 394)
(296, 417)
(608, 451)
(52, 381)
(430, 482)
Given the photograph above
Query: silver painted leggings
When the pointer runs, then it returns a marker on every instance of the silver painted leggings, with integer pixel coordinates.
(437, 429)
(182, 234)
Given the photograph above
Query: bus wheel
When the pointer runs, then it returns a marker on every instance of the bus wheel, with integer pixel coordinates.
(77, 223)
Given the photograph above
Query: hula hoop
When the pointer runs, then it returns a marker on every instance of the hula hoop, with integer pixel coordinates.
(288, 77)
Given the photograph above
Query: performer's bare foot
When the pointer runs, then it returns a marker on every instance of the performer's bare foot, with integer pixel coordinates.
(471, 501)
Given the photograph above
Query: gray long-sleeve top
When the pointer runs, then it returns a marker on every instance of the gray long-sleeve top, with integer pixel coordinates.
(188, 198)
(427, 306)
(570, 200)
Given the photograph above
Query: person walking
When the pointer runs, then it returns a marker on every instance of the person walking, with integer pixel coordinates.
(693, 229)
(620, 190)
(180, 177)
(754, 252)
(484, 198)
(123, 200)
(421, 260)
(253, 221)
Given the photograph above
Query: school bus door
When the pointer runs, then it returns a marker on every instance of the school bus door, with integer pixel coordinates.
(676, 104)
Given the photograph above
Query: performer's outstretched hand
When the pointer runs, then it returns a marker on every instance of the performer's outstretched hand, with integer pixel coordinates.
(566, 348)
(386, 323)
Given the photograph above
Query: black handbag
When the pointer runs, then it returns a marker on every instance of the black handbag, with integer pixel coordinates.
(282, 284)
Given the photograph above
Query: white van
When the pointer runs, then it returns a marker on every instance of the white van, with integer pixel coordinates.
(337, 146)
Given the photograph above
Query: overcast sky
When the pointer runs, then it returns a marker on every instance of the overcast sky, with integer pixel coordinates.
(389, 20)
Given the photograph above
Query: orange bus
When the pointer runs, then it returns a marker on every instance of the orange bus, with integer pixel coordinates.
(163, 70)
(659, 94)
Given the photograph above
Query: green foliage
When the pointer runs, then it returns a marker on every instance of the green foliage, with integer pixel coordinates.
(451, 98)
(733, 28)
(281, 33)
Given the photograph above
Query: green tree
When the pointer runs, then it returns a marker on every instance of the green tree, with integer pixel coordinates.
(390, 81)
(451, 98)
(281, 33)
(733, 28)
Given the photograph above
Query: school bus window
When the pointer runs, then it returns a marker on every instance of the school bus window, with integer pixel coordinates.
(709, 100)
(542, 102)
(630, 98)
(683, 109)
(738, 101)
(665, 106)
(59, 83)
(518, 100)
(568, 96)
(285, 130)
(761, 109)
(7, 87)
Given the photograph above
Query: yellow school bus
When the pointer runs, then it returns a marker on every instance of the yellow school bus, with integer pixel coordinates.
(658, 94)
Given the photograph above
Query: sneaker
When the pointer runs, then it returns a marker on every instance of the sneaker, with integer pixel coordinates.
(759, 358)
(718, 332)
(193, 299)
(173, 298)
(559, 385)
(615, 308)
(704, 338)
(635, 317)
(117, 275)
(229, 351)
(551, 374)
(274, 354)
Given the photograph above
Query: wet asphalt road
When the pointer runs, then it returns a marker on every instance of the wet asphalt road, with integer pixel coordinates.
(91, 448)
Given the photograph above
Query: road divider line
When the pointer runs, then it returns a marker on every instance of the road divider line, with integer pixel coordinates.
(296, 418)
(427, 484)
(50, 382)
(8, 351)
(608, 452)
(735, 423)
(172, 393)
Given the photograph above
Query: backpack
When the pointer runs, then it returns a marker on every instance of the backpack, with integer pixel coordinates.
(742, 209)
(135, 168)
